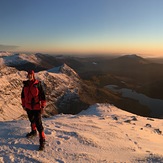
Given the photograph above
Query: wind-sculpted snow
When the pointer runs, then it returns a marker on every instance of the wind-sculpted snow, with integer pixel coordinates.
(10, 90)
(96, 137)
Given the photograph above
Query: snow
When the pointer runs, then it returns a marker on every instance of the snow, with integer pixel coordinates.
(29, 58)
(2, 55)
(94, 63)
(5, 53)
(11, 83)
(17, 59)
(1, 62)
(102, 133)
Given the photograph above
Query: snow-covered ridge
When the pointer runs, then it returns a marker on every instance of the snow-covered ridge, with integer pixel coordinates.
(57, 85)
(10, 59)
(2, 55)
(103, 133)
(5, 53)
(29, 57)
(64, 69)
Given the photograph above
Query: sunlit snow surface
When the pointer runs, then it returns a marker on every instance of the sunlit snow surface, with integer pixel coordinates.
(102, 133)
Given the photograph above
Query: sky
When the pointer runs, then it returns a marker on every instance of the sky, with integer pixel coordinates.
(82, 26)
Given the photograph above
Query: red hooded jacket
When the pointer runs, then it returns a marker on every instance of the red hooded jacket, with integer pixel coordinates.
(33, 96)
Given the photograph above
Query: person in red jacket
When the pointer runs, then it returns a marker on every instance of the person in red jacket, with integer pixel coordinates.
(33, 102)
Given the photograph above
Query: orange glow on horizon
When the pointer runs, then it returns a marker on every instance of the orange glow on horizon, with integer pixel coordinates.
(140, 49)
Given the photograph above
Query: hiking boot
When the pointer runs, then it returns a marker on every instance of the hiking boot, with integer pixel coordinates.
(31, 134)
(42, 144)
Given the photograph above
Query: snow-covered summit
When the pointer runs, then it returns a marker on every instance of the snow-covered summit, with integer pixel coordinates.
(5, 53)
(20, 59)
(64, 69)
(67, 70)
(101, 134)
(29, 58)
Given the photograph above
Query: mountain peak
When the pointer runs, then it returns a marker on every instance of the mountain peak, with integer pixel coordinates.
(132, 58)
(68, 70)
(65, 69)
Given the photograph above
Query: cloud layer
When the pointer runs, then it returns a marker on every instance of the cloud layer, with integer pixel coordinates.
(8, 47)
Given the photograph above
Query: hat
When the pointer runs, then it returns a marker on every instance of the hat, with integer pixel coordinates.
(31, 72)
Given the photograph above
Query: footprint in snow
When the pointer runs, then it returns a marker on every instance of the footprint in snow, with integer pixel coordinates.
(150, 119)
(59, 161)
(158, 131)
(49, 132)
(58, 142)
(59, 150)
(114, 118)
(58, 126)
(64, 137)
(148, 125)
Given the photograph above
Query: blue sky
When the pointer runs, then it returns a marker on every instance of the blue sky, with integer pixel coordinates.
(82, 26)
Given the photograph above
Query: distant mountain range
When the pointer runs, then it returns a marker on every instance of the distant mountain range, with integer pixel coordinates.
(65, 91)
(81, 78)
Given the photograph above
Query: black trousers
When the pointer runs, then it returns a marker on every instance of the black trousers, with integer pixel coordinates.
(34, 117)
